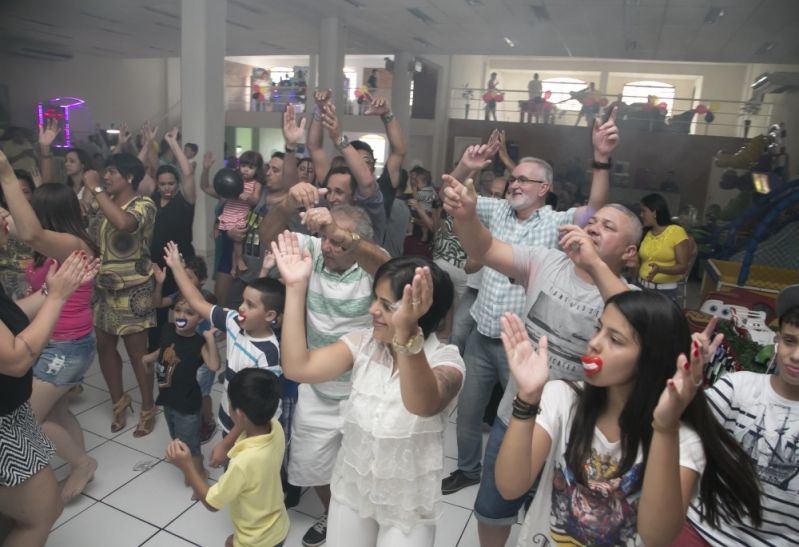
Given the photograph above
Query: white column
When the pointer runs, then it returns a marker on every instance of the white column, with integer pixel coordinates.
(401, 91)
(332, 45)
(202, 95)
(441, 130)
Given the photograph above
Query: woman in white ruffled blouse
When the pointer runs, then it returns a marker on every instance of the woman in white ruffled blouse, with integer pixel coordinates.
(386, 487)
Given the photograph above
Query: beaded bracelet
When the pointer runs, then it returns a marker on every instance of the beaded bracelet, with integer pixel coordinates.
(523, 410)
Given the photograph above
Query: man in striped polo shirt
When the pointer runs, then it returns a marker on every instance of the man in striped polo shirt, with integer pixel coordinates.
(339, 294)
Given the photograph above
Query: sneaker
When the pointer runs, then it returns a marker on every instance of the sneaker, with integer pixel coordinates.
(457, 480)
(207, 431)
(317, 533)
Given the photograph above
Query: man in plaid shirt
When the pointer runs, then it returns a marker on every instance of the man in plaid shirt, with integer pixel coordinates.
(521, 219)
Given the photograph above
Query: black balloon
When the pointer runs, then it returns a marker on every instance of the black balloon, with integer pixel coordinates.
(709, 116)
(228, 183)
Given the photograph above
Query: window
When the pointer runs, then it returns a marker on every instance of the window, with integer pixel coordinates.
(278, 73)
(639, 92)
(560, 89)
(352, 76)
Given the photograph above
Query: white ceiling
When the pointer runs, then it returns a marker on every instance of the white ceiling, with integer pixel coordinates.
(672, 30)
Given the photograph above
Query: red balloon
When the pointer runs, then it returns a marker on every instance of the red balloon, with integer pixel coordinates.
(547, 106)
(662, 105)
(547, 94)
(700, 109)
(603, 101)
(589, 101)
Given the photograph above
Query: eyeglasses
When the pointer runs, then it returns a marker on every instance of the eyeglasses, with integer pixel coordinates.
(523, 180)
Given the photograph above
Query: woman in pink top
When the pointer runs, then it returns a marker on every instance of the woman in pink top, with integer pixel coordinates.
(52, 225)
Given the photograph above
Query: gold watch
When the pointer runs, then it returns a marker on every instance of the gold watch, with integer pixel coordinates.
(413, 346)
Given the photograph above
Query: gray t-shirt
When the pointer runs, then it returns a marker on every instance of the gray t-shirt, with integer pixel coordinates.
(373, 205)
(560, 306)
(397, 226)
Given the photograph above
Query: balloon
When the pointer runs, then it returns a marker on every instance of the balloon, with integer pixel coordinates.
(652, 99)
(662, 105)
(714, 106)
(709, 116)
(589, 101)
(228, 183)
(603, 101)
(547, 94)
(700, 109)
(547, 106)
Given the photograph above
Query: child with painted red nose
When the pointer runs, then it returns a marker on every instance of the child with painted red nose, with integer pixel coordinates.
(621, 455)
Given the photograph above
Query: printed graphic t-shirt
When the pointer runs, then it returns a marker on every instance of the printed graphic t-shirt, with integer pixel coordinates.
(565, 512)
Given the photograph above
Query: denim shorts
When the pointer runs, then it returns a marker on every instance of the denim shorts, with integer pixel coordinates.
(64, 362)
(489, 506)
(185, 427)
(205, 378)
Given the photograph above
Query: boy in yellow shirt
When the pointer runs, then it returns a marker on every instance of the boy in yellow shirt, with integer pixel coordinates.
(251, 485)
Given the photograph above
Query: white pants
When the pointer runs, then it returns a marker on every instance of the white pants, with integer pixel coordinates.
(315, 438)
(346, 529)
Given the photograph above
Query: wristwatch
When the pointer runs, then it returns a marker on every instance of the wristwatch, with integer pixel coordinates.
(387, 117)
(342, 143)
(600, 165)
(413, 346)
(99, 190)
(290, 149)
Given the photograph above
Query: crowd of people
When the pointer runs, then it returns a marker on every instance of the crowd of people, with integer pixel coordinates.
(357, 311)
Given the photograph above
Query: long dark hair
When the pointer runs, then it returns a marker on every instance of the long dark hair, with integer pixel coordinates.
(84, 160)
(256, 161)
(658, 204)
(57, 208)
(729, 485)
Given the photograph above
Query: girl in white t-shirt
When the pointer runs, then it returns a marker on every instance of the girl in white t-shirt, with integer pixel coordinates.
(621, 455)
(386, 485)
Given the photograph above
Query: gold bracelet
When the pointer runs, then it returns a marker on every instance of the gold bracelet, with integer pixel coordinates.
(660, 429)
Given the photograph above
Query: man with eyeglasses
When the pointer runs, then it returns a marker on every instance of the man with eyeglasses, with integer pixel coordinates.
(521, 219)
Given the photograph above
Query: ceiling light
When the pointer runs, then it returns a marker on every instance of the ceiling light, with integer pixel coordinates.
(509, 42)
(713, 15)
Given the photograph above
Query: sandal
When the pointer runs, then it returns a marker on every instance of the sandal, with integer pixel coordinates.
(119, 419)
(146, 422)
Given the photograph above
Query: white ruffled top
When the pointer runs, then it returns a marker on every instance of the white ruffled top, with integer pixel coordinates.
(391, 462)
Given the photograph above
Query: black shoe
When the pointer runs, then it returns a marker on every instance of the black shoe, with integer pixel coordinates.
(317, 533)
(457, 480)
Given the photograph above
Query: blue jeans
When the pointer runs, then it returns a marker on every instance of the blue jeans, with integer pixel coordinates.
(64, 362)
(489, 506)
(205, 379)
(486, 365)
(185, 427)
(462, 320)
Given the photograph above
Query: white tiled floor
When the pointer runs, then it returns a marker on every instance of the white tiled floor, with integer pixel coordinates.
(137, 498)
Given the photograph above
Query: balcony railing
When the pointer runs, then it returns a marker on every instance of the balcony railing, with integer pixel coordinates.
(686, 116)
(274, 99)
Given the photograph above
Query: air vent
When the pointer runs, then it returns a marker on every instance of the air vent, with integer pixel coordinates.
(114, 31)
(42, 54)
(422, 16)
(100, 17)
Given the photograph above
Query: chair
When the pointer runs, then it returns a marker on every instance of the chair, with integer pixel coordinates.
(682, 284)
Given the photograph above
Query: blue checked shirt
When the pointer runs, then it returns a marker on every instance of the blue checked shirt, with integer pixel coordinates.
(497, 294)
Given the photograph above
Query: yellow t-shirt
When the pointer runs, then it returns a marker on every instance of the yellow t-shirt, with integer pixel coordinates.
(251, 487)
(659, 249)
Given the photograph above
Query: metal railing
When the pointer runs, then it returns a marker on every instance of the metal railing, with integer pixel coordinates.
(686, 115)
(276, 98)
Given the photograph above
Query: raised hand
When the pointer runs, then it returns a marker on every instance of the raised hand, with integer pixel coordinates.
(122, 138)
(707, 343)
(479, 156)
(321, 97)
(91, 179)
(36, 175)
(305, 194)
(148, 133)
(48, 132)
(578, 246)
(460, 199)
(172, 255)
(378, 107)
(77, 269)
(293, 262)
(159, 274)
(680, 388)
(171, 135)
(605, 137)
(292, 132)
(330, 121)
(529, 367)
(208, 160)
(417, 297)
(268, 263)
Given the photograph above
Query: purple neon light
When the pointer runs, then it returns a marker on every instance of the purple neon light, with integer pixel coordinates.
(66, 103)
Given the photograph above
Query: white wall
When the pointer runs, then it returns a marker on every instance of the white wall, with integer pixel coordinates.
(115, 90)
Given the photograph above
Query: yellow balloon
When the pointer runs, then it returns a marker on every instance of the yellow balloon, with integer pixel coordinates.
(714, 106)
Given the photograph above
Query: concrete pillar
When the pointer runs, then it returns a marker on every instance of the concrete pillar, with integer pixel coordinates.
(202, 97)
(401, 91)
(330, 66)
(441, 129)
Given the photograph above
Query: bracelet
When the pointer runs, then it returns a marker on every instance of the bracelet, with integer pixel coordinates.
(660, 429)
(600, 165)
(343, 143)
(387, 117)
(290, 149)
(44, 289)
(523, 410)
